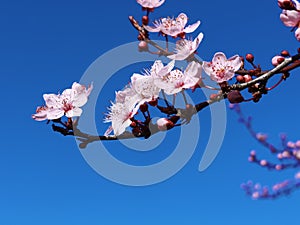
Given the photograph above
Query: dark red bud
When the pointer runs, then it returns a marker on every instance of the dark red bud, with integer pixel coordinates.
(250, 58)
(240, 78)
(235, 97)
(145, 20)
(285, 53)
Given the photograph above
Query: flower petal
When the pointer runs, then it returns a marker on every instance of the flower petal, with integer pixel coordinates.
(191, 28)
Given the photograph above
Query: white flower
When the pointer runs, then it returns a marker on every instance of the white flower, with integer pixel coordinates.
(173, 27)
(185, 48)
(68, 103)
(150, 4)
(177, 80)
(221, 69)
(119, 116)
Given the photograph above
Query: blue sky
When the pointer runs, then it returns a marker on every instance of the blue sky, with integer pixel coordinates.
(47, 45)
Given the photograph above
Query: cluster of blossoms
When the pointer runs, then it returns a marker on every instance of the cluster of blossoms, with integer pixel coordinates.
(161, 80)
(290, 15)
(67, 103)
(288, 157)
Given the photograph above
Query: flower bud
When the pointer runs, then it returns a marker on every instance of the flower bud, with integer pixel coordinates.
(240, 78)
(250, 58)
(164, 124)
(143, 46)
(145, 20)
(235, 97)
(285, 53)
(276, 60)
(247, 78)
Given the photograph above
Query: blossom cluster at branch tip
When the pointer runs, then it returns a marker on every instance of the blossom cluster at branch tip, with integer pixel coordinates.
(221, 69)
(290, 15)
(173, 26)
(67, 103)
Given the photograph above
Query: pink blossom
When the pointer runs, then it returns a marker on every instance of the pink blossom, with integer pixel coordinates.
(177, 80)
(221, 69)
(186, 48)
(276, 60)
(173, 27)
(150, 4)
(120, 117)
(290, 18)
(68, 103)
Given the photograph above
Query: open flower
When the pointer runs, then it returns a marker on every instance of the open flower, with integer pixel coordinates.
(221, 69)
(68, 103)
(150, 4)
(120, 117)
(186, 48)
(173, 27)
(176, 80)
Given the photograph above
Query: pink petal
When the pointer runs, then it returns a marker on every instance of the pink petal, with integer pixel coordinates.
(74, 112)
(153, 29)
(197, 41)
(219, 58)
(52, 100)
(192, 28)
(55, 114)
(236, 62)
(182, 19)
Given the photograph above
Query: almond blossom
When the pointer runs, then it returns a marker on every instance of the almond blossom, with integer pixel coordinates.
(177, 80)
(150, 4)
(221, 69)
(173, 27)
(68, 103)
(185, 48)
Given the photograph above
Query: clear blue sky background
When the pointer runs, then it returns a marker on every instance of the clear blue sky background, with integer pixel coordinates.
(46, 45)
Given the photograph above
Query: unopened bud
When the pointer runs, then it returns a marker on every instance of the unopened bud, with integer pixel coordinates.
(276, 60)
(285, 53)
(235, 97)
(247, 78)
(145, 20)
(240, 78)
(143, 46)
(250, 58)
(286, 4)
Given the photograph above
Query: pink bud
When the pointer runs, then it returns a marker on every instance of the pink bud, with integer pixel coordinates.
(278, 167)
(290, 144)
(164, 124)
(252, 153)
(263, 162)
(247, 78)
(261, 137)
(279, 156)
(255, 195)
(276, 60)
(286, 154)
(143, 46)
